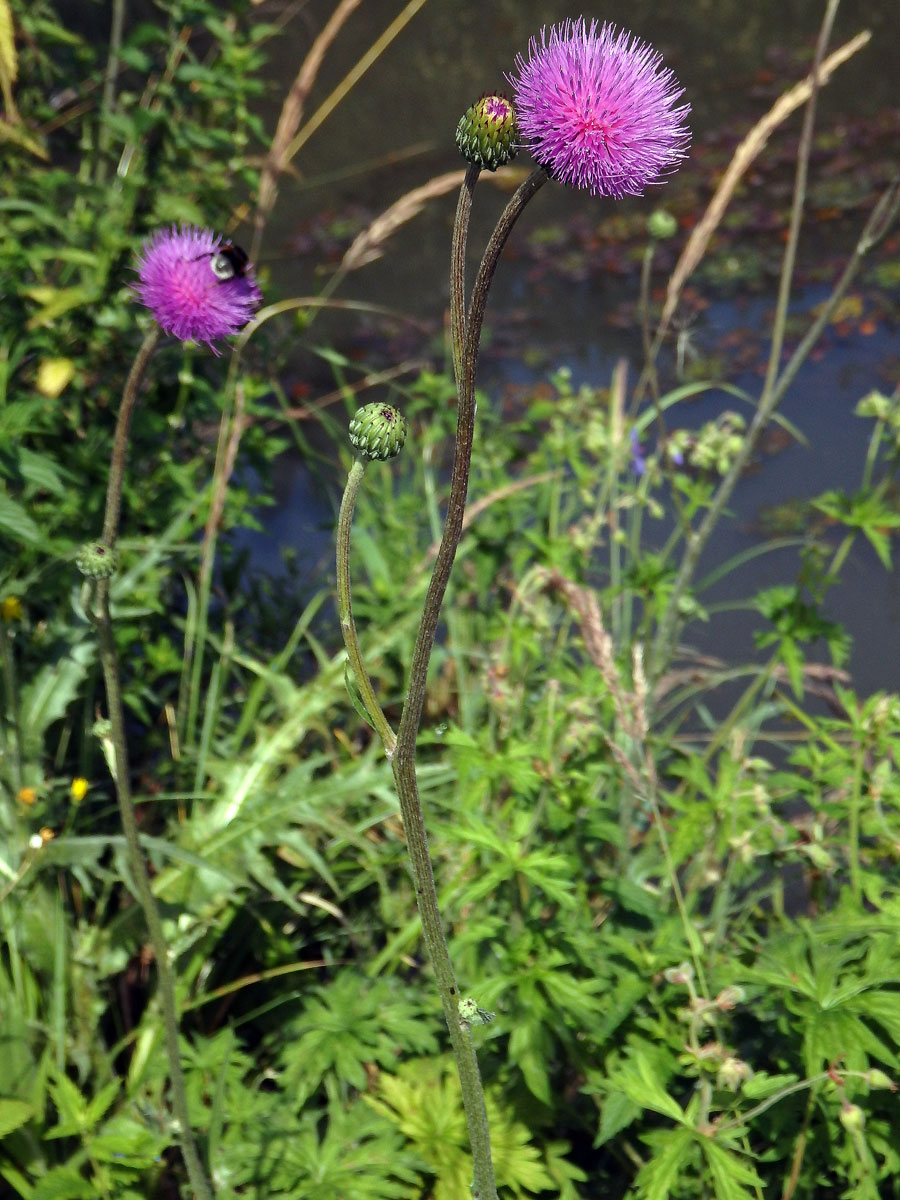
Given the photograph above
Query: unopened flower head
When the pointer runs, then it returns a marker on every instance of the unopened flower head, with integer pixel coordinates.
(486, 134)
(198, 288)
(597, 109)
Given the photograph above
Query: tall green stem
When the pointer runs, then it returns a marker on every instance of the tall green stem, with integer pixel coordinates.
(164, 975)
(348, 625)
(465, 353)
(465, 340)
(100, 613)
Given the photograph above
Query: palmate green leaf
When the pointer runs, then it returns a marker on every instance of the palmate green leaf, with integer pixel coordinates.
(636, 1078)
(730, 1173)
(674, 1150)
(424, 1102)
(72, 1107)
(882, 1006)
(617, 1113)
(351, 1023)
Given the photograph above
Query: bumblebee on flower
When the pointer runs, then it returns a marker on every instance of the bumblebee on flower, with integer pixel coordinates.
(198, 287)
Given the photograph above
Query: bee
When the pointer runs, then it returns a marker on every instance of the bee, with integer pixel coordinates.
(228, 262)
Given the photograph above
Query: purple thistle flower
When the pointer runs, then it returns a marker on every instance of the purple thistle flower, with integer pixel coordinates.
(597, 109)
(196, 286)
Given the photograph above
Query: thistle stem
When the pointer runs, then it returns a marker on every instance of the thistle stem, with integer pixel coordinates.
(348, 625)
(466, 337)
(100, 614)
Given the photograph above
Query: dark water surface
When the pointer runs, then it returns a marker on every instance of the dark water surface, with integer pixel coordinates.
(732, 59)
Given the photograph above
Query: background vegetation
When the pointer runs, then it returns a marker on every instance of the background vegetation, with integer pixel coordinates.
(673, 879)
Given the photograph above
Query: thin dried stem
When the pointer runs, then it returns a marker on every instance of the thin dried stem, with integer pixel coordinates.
(745, 154)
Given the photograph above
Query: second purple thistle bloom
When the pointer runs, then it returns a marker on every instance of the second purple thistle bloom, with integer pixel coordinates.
(597, 109)
(198, 289)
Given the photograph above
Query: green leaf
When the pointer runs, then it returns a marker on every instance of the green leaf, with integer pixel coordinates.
(729, 1172)
(16, 522)
(617, 1113)
(673, 1151)
(62, 1183)
(639, 1083)
(99, 1104)
(13, 1113)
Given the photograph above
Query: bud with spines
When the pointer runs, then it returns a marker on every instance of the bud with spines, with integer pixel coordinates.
(487, 134)
(378, 431)
(97, 560)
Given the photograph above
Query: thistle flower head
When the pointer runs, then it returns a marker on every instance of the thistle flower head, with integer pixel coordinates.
(597, 109)
(193, 286)
(378, 431)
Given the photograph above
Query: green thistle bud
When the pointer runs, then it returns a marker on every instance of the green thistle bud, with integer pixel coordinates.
(378, 431)
(487, 134)
(97, 560)
(661, 225)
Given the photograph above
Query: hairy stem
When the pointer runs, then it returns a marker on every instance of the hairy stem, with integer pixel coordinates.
(465, 353)
(348, 625)
(100, 614)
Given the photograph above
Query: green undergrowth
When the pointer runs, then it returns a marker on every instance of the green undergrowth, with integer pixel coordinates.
(673, 883)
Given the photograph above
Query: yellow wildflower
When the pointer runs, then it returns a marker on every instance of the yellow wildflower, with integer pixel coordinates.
(11, 608)
(78, 790)
(27, 795)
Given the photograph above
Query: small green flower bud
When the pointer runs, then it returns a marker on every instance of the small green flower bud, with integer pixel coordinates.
(97, 560)
(683, 973)
(729, 997)
(732, 1073)
(378, 431)
(852, 1118)
(878, 1079)
(487, 133)
(661, 225)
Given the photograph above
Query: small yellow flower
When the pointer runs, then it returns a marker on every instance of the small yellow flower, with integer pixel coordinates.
(54, 375)
(78, 790)
(46, 835)
(27, 795)
(11, 608)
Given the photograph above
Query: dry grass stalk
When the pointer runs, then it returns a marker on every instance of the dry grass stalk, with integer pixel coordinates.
(367, 246)
(744, 155)
(292, 108)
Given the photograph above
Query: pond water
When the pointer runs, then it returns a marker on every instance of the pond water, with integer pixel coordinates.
(395, 131)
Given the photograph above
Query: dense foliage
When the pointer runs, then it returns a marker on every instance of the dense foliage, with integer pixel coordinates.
(673, 881)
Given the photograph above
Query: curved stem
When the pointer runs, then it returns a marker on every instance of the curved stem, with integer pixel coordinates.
(348, 625)
(100, 615)
(459, 480)
(164, 974)
(466, 343)
(458, 269)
